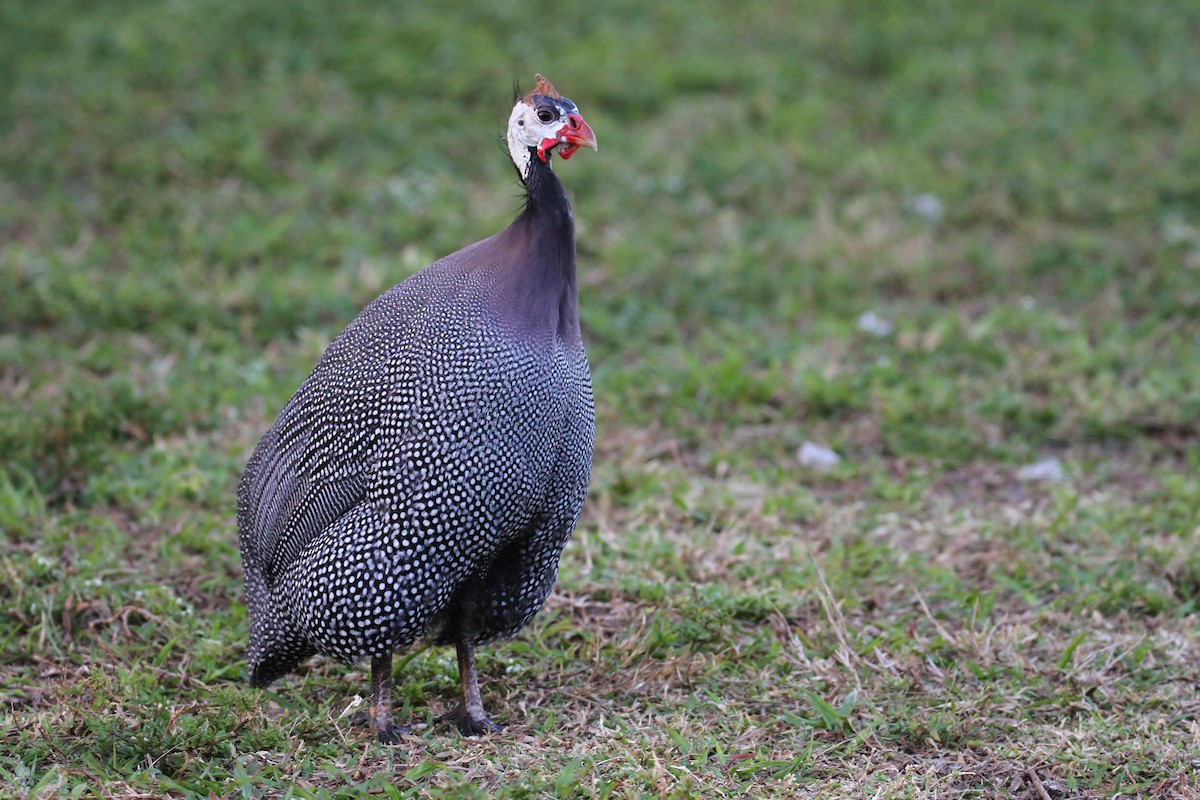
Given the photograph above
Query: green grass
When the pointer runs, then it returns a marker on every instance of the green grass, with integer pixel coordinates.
(196, 196)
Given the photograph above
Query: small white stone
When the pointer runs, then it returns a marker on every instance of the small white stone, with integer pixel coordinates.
(927, 207)
(818, 457)
(1048, 470)
(872, 323)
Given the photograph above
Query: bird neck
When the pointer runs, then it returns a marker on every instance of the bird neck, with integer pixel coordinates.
(546, 203)
(550, 227)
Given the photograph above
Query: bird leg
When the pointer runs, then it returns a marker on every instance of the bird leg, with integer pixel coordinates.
(468, 714)
(380, 714)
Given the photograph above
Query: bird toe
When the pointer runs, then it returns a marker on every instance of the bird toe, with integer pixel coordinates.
(478, 726)
(392, 733)
(388, 734)
(470, 724)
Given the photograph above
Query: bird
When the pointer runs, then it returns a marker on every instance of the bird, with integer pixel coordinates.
(424, 479)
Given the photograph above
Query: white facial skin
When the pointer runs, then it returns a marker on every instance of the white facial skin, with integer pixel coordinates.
(527, 128)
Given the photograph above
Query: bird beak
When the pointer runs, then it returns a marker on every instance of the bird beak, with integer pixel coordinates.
(575, 134)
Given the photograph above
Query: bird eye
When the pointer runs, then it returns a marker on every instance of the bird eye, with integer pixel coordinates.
(546, 115)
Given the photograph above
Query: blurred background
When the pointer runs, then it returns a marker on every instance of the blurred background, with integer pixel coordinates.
(190, 186)
(877, 297)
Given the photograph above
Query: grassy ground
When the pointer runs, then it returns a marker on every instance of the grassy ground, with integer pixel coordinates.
(196, 196)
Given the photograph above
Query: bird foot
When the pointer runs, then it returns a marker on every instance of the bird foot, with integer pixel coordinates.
(392, 733)
(470, 724)
(388, 734)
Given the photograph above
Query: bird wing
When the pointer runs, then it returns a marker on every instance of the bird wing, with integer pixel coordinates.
(314, 464)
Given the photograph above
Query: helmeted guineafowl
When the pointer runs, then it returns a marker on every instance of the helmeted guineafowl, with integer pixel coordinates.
(423, 480)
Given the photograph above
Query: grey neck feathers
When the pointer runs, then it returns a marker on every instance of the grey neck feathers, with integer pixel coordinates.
(546, 287)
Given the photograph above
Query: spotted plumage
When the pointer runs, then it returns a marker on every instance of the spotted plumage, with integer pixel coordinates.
(422, 482)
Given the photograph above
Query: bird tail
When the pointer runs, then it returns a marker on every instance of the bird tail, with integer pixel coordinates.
(276, 647)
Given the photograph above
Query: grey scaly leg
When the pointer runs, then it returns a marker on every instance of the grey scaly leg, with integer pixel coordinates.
(380, 714)
(468, 714)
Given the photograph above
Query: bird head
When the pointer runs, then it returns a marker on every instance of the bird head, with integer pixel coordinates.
(543, 121)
